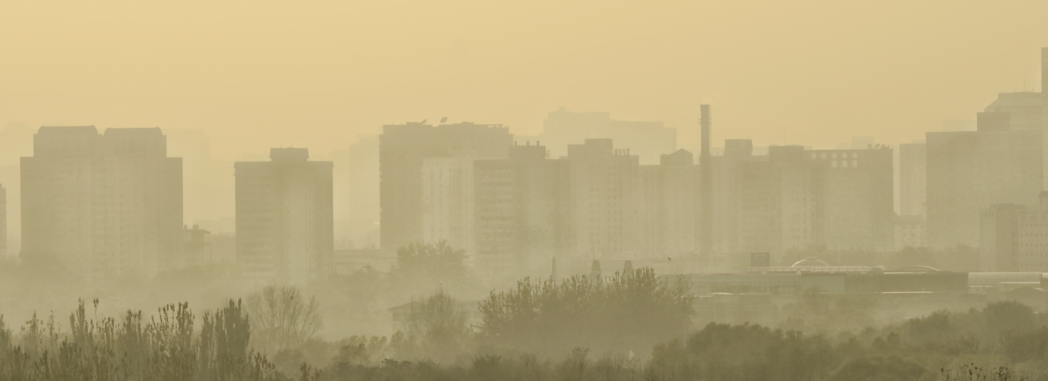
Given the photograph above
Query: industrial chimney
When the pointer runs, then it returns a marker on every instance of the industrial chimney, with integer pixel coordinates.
(1044, 73)
(706, 189)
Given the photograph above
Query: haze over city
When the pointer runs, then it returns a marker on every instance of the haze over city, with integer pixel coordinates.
(818, 72)
(466, 190)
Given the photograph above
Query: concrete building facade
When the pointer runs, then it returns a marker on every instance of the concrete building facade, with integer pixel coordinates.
(521, 213)
(448, 201)
(913, 186)
(972, 170)
(793, 198)
(104, 206)
(603, 200)
(402, 150)
(285, 218)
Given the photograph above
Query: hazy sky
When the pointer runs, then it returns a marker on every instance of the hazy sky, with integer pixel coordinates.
(257, 74)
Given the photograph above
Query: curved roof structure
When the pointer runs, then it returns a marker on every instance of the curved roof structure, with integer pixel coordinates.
(810, 262)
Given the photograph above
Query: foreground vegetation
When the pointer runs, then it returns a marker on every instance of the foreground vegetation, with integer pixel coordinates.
(1002, 341)
(629, 326)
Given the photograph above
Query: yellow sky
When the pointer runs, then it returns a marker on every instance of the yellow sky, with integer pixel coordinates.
(257, 74)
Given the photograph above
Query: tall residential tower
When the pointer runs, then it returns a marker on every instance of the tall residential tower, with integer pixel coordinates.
(103, 206)
(285, 218)
(402, 152)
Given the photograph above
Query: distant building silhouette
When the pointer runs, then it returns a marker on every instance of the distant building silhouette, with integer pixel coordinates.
(910, 231)
(794, 198)
(195, 250)
(968, 171)
(284, 215)
(1014, 237)
(727, 182)
(447, 201)
(403, 148)
(104, 206)
(521, 211)
(913, 186)
(647, 140)
(596, 202)
(670, 201)
(603, 200)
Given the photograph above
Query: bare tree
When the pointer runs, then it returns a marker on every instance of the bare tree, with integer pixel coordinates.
(282, 317)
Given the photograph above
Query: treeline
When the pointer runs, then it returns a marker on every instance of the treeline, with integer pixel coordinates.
(165, 347)
(1003, 341)
(358, 301)
(629, 311)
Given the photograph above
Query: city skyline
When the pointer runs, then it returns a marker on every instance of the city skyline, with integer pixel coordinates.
(668, 190)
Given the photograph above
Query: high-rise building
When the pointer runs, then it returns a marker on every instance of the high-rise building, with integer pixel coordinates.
(1020, 111)
(669, 198)
(284, 222)
(913, 189)
(104, 206)
(858, 198)
(520, 211)
(647, 140)
(402, 150)
(969, 171)
(1014, 237)
(3, 222)
(603, 200)
(447, 201)
(777, 202)
(794, 198)
(726, 193)
(597, 202)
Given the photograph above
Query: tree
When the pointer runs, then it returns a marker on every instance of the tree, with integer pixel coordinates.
(629, 311)
(282, 317)
(427, 267)
(439, 326)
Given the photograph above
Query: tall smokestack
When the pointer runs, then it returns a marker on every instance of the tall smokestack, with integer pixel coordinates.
(1044, 72)
(706, 203)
